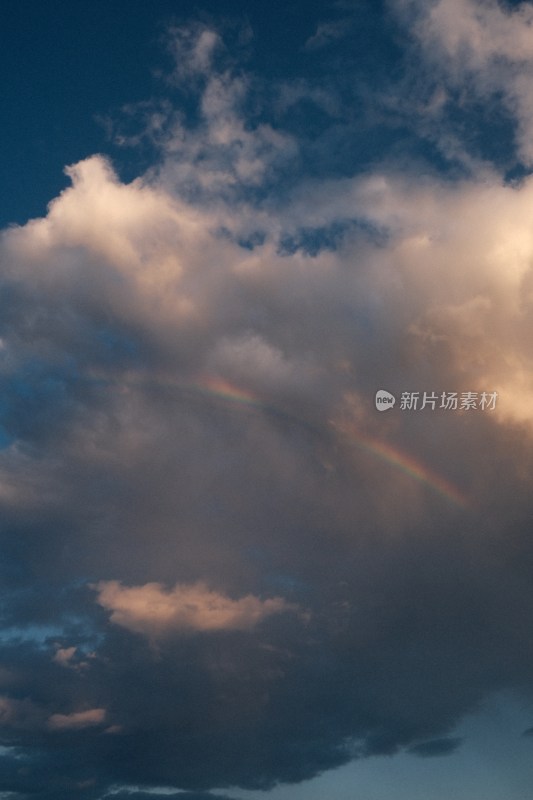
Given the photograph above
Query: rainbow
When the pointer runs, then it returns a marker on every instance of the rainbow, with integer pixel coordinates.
(219, 388)
(408, 465)
(212, 386)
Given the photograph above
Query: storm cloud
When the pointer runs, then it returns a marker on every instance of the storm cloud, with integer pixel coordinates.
(223, 567)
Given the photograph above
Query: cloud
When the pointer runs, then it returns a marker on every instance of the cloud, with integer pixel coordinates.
(229, 149)
(64, 656)
(19, 714)
(436, 747)
(27, 715)
(77, 720)
(478, 32)
(328, 33)
(193, 48)
(188, 379)
(150, 609)
(482, 48)
(154, 794)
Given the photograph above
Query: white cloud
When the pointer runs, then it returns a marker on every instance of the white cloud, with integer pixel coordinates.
(481, 48)
(249, 360)
(193, 48)
(474, 33)
(226, 149)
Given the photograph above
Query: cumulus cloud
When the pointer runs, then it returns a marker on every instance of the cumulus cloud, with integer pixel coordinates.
(188, 384)
(151, 609)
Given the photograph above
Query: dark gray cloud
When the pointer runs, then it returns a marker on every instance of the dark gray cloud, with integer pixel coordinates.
(154, 795)
(435, 747)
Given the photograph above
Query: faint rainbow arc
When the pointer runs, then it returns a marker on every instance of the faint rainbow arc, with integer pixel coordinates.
(420, 472)
(410, 466)
(220, 388)
(213, 386)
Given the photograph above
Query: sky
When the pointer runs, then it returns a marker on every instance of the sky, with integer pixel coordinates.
(266, 400)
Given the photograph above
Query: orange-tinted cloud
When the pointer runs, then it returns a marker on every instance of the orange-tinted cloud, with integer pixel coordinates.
(77, 720)
(152, 610)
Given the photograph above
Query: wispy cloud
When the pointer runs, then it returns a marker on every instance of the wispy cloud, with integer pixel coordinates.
(327, 33)
(483, 49)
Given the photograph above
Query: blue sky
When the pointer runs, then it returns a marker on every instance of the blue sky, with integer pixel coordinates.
(68, 69)
(229, 571)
